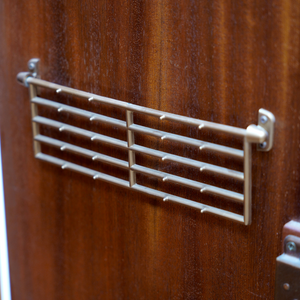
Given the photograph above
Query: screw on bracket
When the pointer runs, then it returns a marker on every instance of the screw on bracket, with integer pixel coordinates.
(263, 119)
(291, 246)
(266, 120)
(263, 145)
(33, 66)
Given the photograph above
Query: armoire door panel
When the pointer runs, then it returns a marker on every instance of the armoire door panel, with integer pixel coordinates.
(70, 237)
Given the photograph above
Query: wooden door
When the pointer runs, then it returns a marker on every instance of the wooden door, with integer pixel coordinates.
(73, 238)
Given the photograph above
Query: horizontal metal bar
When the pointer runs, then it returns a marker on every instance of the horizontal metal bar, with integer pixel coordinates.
(80, 112)
(82, 132)
(138, 128)
(186, 140)
(261, 135)
(189, 162)
(204, 167)
(120, 182)
(82, 151)
(74, 167)
(204, 188)
(202, 207)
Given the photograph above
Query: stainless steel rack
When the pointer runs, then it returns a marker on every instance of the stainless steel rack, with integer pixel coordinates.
(261, 134)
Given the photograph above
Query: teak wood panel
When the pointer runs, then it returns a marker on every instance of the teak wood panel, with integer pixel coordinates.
(72, 238)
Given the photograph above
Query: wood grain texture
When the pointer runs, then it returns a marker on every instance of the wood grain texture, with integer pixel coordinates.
(73, 238)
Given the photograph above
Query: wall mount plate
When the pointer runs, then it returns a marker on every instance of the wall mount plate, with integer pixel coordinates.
(266, 120)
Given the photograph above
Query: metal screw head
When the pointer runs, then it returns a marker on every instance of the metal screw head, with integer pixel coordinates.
(31, 66)
(263, 145)
(291, 246)
(263, 119)
(286, 286)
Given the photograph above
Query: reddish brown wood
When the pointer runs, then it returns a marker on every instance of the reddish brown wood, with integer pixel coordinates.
(73, 238)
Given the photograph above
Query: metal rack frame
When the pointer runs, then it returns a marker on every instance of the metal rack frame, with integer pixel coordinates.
(261, 134)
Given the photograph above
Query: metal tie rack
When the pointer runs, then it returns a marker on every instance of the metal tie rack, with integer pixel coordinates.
(261, 134)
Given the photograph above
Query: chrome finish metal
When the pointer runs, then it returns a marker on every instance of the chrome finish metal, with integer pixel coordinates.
(291, 246)
(247, 182)
(253, 134)
(288, 270)
(266, 121)
(186, 140)
(22, 78)
(130, 143)
(257, 137)
(33, 66)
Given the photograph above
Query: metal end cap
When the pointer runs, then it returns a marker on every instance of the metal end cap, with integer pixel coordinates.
(256, 134)
(22, 78)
